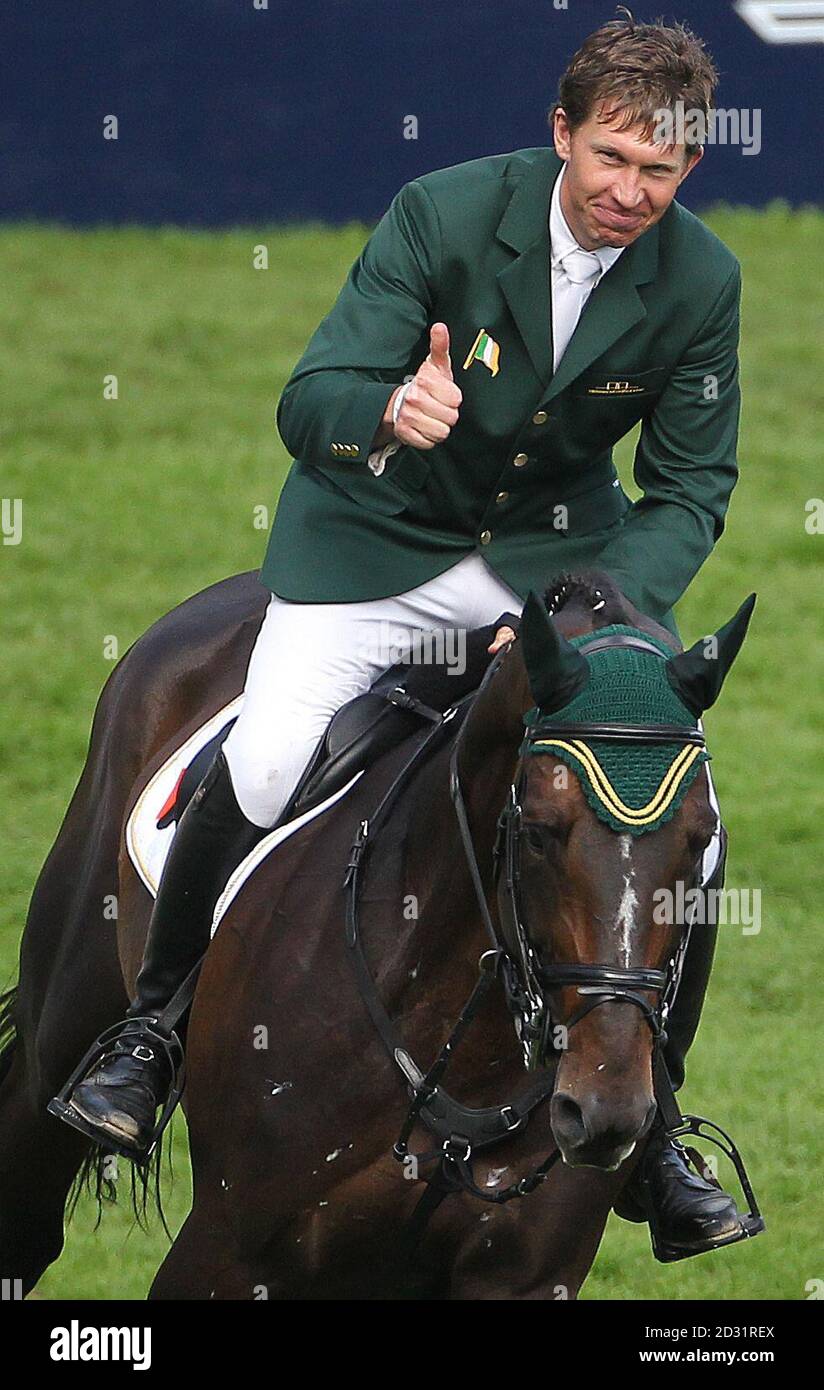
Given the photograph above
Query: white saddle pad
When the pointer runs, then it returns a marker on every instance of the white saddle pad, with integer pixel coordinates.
(148, 845)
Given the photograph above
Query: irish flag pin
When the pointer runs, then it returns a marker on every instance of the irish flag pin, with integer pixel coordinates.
(486, 350)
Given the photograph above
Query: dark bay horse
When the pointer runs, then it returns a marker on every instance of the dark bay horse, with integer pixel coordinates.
(293, 1104)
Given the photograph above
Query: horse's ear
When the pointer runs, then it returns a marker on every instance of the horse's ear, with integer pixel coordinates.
(697, 675)
(555, 669)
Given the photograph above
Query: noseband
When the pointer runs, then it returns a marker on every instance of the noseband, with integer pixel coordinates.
(595, 984)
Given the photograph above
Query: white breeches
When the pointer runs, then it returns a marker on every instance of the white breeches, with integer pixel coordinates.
(310, 658)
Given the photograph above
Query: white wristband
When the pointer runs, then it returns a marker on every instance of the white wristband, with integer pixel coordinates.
(399, 400)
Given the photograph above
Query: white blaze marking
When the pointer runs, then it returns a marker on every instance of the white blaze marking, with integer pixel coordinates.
(625, 917)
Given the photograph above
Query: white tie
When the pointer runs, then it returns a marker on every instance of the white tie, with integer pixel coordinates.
(580, 266)
(574, 276)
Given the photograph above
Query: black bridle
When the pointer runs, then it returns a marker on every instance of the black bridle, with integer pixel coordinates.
(461, 1129)
(595, 984)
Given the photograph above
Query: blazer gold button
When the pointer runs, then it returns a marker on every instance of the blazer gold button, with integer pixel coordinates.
(502, 496)
(486, 537)
(520, 459)
(540, 417)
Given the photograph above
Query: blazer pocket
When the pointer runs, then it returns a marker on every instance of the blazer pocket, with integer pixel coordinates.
(620, 388)
(407, 469)
(390, 491)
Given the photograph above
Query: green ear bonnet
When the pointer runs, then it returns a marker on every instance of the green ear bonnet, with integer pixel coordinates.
(632, 787)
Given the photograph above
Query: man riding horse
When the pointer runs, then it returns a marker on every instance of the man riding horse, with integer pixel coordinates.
(452, 422)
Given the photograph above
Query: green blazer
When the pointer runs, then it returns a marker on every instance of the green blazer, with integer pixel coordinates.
(526, 476)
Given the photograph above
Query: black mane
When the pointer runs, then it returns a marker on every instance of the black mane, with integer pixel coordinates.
(590, 599)
(592, 590)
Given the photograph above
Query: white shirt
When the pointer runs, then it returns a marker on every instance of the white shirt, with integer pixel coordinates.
(568, 295)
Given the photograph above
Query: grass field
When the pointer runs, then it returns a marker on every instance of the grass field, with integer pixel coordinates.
(132, 504)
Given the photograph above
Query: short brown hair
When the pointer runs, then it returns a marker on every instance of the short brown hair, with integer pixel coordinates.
(637, 71)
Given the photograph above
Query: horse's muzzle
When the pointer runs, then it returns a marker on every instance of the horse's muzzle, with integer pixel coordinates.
(598, 1131)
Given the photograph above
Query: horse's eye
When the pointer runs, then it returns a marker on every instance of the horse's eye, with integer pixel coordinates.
(535, 836)
(534, 839)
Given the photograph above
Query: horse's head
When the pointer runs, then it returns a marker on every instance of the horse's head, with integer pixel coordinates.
(609, 813)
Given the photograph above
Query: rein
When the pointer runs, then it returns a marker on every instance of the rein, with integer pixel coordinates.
(460, 1129)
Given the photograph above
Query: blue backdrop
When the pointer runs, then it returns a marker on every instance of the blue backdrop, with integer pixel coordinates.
(229, 113)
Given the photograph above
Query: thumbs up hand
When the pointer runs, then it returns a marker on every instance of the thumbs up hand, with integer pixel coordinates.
(430, 406)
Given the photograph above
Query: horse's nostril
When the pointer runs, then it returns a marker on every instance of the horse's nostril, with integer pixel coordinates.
(567, 1120)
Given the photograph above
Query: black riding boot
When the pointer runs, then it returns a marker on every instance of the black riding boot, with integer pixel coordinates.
(120, 1095)
(687, 1214)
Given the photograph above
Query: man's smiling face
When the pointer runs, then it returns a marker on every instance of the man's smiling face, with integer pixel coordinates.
(618, 183)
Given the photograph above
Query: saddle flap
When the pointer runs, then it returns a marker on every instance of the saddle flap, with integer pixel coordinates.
(352, 721)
